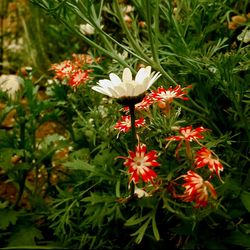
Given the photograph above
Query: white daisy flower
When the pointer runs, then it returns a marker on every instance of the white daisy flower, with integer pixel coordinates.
(127, 87)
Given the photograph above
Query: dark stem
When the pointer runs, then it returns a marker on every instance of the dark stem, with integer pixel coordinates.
(133, 138)
(22, 133)
(21, 183)
(132, 117)
(23, 174)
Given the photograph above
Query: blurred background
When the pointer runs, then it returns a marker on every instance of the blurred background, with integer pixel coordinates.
(28, 39)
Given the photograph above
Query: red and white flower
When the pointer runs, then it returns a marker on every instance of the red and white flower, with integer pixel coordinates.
(167, 95)
(206, 157)
(78, 77)
(82, 59)
(197, 189)
(139, 164)
(63, 70)
(143, 105)
(188, 133)
(125, 124)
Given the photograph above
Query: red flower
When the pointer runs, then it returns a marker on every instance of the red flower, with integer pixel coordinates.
(125, 124)
(143, 105)
(206, 157)
(139, 164)
(189, 134)
(163, 95)
(63, 69)
(78, 77)
(81, 59)
(197, 189)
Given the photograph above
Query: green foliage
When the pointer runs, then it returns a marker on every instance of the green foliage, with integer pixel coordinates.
(25, 236)
(245, 198)
(93, 205)
(145, 221)
(8, 217)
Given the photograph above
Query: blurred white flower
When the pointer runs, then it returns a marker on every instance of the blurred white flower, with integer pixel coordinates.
(103, 111)
(50, 81)
(127, 87)
(244, 36)
(15, 45)
(123, 55)
(212, 69)
(10, 84)
(128, 8)
(87, 29)
(140, 192)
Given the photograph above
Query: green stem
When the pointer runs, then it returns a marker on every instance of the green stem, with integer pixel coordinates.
(22, 134)
(97, 24)
(94, 20)
(131, 40)
(21, 183)
(188, 151)
(153, 39)
(155, 64)
(159, 68)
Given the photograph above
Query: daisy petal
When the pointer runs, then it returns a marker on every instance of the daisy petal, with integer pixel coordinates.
(115, 78)
(127, 75)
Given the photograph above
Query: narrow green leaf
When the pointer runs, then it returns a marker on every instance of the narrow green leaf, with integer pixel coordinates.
(245, 198)
(239, 239)
(79, 165)
(155, 229)
(117, 188)
(134, 220)
(141, 231)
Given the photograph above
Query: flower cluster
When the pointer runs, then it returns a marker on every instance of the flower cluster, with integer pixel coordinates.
(135, 97)
(72, 70)
(127, 90)
(196, 187)
(161, 96)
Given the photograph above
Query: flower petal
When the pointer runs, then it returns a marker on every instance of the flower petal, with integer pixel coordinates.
(101, 90)
(153, 79)
(127, 75)
(115, 78)
(127, 87)
(142, 74)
